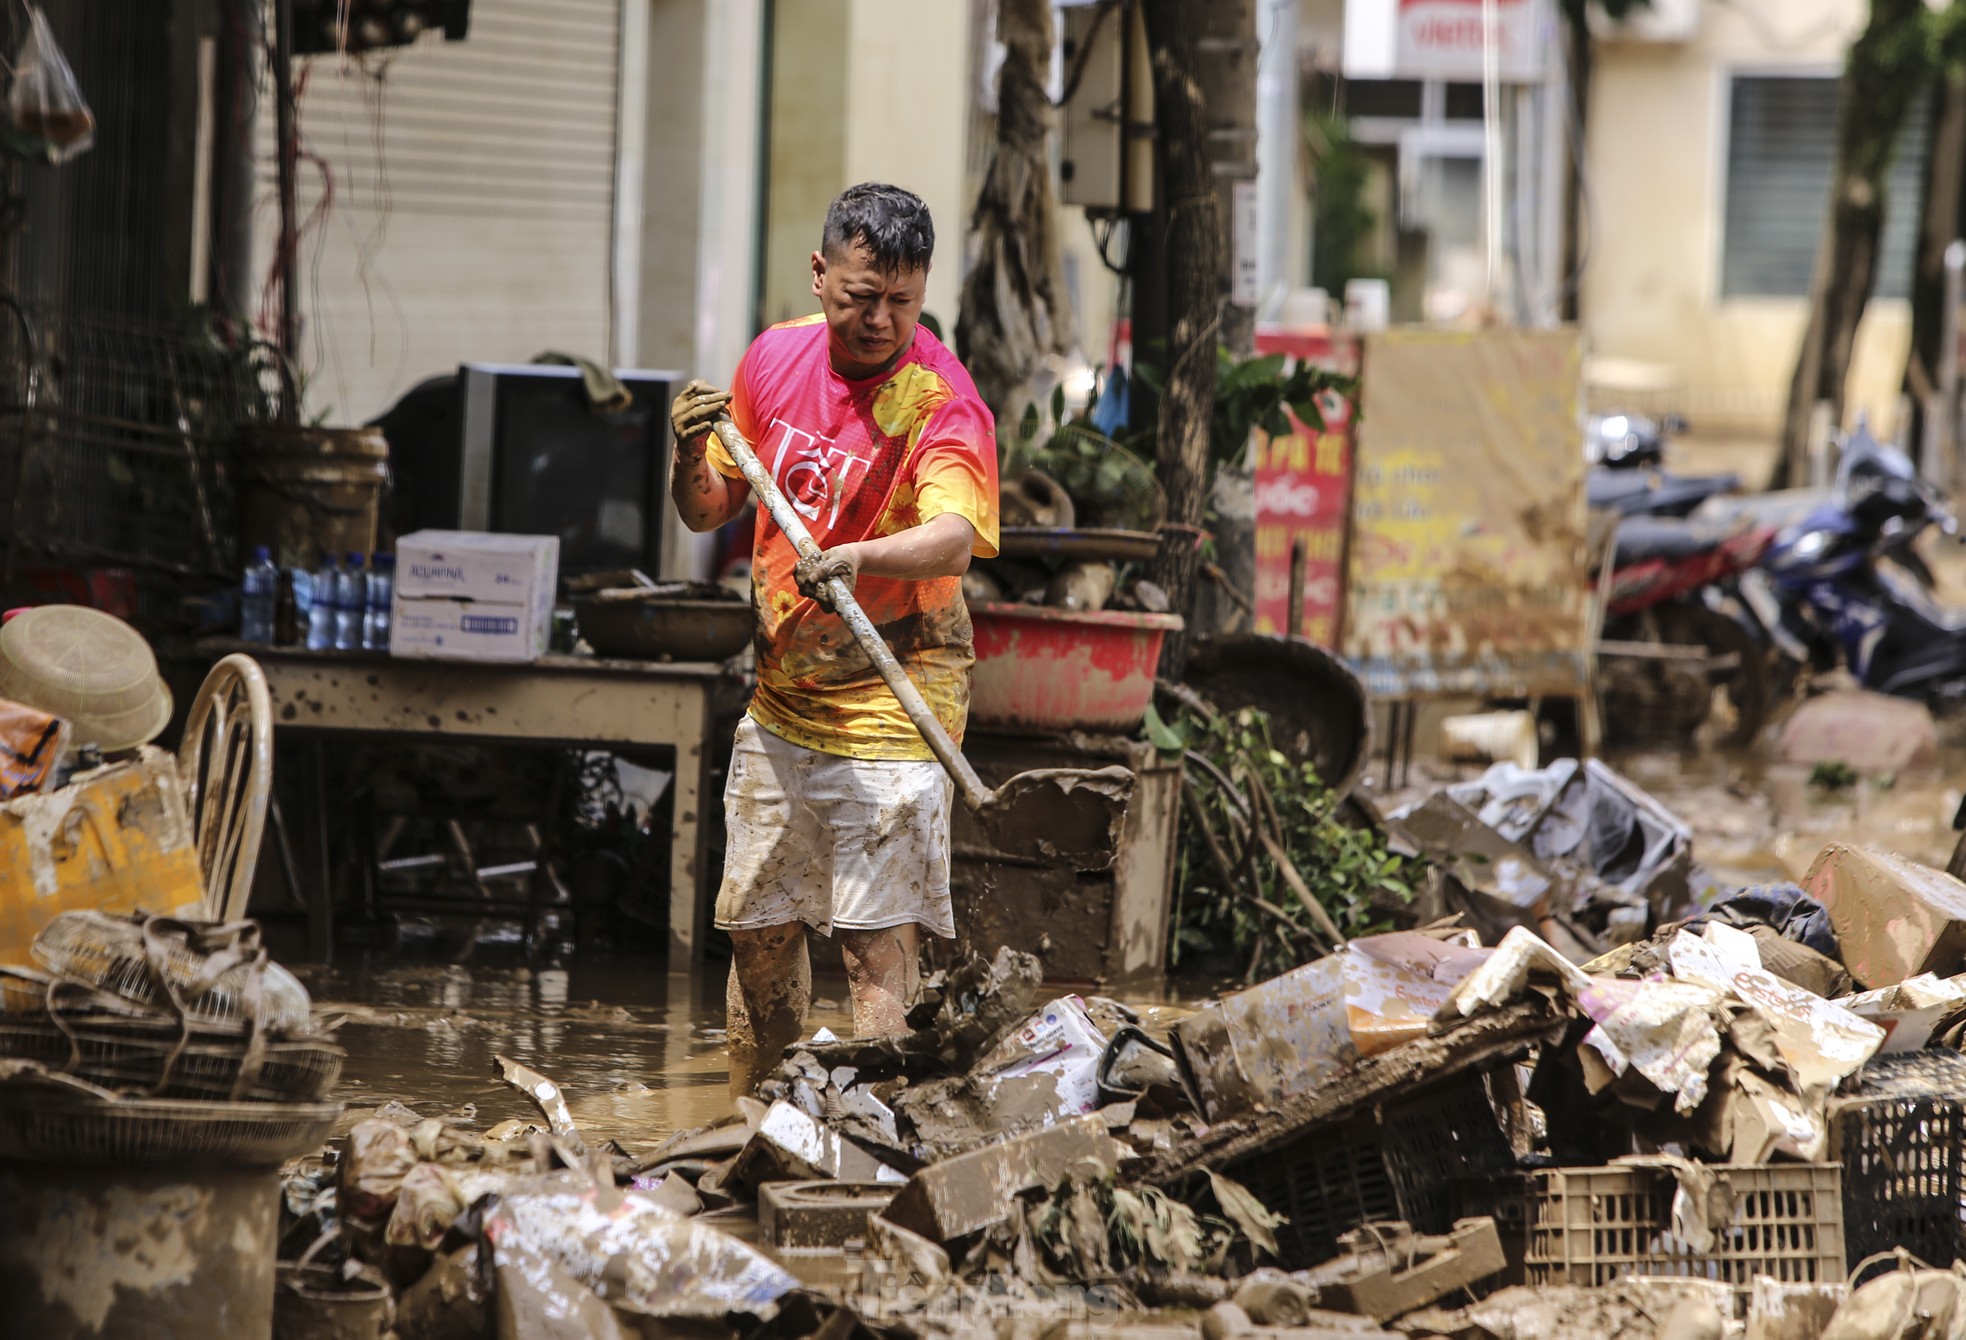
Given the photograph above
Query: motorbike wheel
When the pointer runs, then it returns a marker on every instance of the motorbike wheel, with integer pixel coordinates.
(1661, 701)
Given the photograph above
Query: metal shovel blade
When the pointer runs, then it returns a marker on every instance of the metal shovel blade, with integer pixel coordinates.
(1059, 814)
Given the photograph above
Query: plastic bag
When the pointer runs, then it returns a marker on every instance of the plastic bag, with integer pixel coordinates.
(45, 104)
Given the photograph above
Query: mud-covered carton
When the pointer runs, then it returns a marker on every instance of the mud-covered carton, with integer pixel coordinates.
(1894, 918)
(1284, 1037)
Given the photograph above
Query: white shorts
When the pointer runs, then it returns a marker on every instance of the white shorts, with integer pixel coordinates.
(858, 844)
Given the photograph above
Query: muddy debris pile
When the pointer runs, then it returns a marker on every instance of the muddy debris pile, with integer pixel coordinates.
(1747, 1122)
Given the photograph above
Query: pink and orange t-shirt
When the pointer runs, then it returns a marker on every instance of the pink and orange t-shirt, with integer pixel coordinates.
(860, 459)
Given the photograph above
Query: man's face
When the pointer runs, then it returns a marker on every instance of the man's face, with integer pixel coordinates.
(870, 314)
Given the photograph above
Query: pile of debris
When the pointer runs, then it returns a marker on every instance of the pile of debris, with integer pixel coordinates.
(1717, 1127)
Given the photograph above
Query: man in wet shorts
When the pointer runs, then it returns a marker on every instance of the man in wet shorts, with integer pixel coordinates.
(838, 813)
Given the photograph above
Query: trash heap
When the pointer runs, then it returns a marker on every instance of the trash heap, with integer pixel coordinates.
(1747, 1121)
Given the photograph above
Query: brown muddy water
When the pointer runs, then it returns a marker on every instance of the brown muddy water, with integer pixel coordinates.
(639, 1053)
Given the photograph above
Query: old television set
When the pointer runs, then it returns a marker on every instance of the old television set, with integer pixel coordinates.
(534, 457)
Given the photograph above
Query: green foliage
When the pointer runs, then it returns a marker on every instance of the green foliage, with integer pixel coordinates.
(1342, 223)
(1834, 775)
(1255, 922)
(1251, 393)
(1110, 485)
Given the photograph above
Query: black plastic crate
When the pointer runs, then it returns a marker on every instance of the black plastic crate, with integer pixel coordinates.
(1899, 1137)
(1448, 1133)
(1402, 1165)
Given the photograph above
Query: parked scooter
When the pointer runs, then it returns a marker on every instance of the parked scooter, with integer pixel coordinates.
(1629, 441)
(1824, 592)
(1654, 492)
(1675, 631)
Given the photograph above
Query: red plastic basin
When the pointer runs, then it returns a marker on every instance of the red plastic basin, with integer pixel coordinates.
(1051, 669)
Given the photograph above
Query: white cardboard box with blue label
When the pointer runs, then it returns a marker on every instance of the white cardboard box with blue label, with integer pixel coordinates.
(471, 596)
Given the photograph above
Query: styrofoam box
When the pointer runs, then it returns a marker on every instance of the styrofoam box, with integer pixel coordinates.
(437, 629)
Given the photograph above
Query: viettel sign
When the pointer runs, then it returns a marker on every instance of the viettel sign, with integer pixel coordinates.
(1444, 39)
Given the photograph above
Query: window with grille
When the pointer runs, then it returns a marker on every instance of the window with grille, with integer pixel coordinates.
(1781, 151)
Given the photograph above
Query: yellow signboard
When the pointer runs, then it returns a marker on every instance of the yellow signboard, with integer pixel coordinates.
(1467, 568)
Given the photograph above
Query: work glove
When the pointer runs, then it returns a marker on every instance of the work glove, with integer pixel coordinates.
(812, 575)
(696, 410)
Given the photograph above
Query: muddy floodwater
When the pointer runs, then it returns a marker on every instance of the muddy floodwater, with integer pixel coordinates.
(639, 1053)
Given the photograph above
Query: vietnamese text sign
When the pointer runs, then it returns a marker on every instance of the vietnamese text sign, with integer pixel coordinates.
(1301, 487)
(1467, 565)
(1444, 39)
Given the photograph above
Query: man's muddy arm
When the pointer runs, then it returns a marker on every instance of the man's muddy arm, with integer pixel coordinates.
(705, 497)
(939, 547)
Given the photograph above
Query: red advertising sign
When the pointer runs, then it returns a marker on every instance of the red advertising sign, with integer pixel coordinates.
(1303, 490)
(1302, 485)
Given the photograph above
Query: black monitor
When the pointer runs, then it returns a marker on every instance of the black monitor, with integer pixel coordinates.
(534, 458)
(516, 448)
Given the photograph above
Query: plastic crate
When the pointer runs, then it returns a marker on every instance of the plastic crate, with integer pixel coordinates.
(1325, 1182)
(1401, 1165)
(1445, 1134)
(1901, 1137)
(1592, 1226)
(1503, 1197)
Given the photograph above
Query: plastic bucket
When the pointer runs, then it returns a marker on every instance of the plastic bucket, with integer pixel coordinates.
(1049, 669)
(305, 492)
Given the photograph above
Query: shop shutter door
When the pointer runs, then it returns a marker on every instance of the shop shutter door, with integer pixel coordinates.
(1781, 151)
(472, 202)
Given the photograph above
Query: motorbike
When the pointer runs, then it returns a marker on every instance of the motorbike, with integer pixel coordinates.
(1843, 584)
(1629, 441)
(1654, 492)
(1675, 630)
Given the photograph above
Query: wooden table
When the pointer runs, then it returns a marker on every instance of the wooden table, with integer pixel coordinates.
(557, 701)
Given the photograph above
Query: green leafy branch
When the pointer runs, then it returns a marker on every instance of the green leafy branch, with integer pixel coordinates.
(1269, 876)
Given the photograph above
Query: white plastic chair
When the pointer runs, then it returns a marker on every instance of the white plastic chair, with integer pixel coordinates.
(226, 764)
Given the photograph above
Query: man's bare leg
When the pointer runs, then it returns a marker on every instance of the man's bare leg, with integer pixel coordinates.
(765, 1000)
(882, 972)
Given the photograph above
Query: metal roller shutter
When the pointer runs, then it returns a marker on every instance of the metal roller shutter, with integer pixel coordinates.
(472, 201)
(1781, 151)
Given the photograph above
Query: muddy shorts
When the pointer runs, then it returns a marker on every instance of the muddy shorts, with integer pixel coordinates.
(857, 844)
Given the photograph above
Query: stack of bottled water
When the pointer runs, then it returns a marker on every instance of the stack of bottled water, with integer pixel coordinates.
(382, 591)
(259, 594)
(323, 588)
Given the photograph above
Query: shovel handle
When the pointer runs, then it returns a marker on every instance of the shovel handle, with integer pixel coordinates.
(975, 794)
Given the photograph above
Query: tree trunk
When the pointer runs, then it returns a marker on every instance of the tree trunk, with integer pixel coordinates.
(1888, 69)
(1944, 178)
(1577, 50)
(1194, 271)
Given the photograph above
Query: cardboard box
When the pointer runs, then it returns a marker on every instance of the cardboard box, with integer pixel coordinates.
(476, 565)
(468, 630)
(471, 596)
(1894, 918)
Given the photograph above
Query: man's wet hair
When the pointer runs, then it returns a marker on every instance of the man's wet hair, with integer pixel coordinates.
(891, 223)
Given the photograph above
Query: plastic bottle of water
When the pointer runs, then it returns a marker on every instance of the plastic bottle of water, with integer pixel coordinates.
(322, 594)
(258, 593)
(382, 590)
(351, 603)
